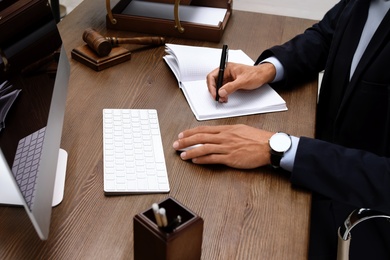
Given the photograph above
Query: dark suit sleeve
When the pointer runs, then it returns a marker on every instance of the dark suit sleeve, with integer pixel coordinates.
(304, 56)
(351, 176)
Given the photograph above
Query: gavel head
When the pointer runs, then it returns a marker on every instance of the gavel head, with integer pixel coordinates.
(97, 42)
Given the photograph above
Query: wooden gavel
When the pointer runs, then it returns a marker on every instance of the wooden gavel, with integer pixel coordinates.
(103, 45)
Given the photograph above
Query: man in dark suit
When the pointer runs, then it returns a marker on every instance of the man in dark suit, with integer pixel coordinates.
(347, 166)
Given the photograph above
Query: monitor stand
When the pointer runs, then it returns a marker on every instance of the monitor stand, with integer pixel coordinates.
(10, 196)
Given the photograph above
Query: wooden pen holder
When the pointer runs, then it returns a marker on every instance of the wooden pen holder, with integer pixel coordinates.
(153, 242)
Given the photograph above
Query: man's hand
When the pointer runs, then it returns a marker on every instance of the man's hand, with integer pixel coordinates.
(237, 146)
(240, 76)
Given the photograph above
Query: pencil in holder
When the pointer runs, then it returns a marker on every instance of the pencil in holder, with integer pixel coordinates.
(180, 237)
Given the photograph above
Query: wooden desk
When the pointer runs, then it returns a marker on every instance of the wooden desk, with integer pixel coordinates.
(254, 214)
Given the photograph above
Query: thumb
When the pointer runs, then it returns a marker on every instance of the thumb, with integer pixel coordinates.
(227, 89)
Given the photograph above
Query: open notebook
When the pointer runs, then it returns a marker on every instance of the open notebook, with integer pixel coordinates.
(191, 65)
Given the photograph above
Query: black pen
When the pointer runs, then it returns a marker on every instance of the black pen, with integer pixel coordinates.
(173, 225)
(222, 66)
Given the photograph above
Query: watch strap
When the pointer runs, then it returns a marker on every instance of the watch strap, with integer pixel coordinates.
(276, 157)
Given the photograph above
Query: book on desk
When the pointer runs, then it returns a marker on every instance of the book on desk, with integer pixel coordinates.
(191, 64)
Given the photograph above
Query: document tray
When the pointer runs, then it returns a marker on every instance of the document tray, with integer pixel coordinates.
(171, 18)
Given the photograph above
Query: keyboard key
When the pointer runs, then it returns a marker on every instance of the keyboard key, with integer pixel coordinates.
(25, 165)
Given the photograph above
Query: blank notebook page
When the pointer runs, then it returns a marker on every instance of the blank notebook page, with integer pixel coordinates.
(241, 102)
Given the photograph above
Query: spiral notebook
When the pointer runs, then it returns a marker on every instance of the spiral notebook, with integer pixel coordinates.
(191, 64)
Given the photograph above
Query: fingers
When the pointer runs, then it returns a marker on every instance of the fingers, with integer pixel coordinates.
(208, 136)
(235, 77)
(207, 154)
(226, 90)
(201, 132)
(212, 85)
(209, 159)
(200, 152)
(198, 135)
(240, 76)
(211, 80)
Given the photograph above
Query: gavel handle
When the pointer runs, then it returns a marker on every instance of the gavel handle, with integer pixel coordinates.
(137, 40)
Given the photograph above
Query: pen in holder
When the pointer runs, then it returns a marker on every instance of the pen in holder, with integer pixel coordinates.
(180, 237)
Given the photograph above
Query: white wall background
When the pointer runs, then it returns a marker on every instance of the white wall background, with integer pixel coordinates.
(310, 9)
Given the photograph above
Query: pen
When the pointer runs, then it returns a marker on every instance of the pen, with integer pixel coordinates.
(222, 66)
(163, 216)
(157, 214)
(173, 225)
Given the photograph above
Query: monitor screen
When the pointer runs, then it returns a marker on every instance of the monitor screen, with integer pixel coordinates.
(34, 74)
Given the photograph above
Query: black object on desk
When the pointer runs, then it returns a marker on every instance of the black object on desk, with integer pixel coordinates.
(221, 72)
(55, 7)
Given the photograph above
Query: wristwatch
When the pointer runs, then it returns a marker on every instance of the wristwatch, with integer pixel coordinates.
(279, 144)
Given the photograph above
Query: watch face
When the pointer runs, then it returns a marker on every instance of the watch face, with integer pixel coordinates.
(280, 142)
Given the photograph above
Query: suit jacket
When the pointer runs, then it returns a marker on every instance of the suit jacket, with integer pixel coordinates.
(348, 165)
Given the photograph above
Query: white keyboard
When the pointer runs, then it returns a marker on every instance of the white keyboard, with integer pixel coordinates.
(133, 154)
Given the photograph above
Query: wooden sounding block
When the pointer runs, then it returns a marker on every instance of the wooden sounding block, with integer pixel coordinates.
(85, 55)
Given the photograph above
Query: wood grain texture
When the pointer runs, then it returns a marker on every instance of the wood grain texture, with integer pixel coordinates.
(253, 214)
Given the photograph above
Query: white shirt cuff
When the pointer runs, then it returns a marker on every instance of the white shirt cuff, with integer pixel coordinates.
(278, 66)
(287, 161)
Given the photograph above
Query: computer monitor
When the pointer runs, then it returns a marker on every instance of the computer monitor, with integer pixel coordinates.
(34, 75)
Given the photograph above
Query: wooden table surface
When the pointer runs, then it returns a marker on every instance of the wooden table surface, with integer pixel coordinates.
(248, 214)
